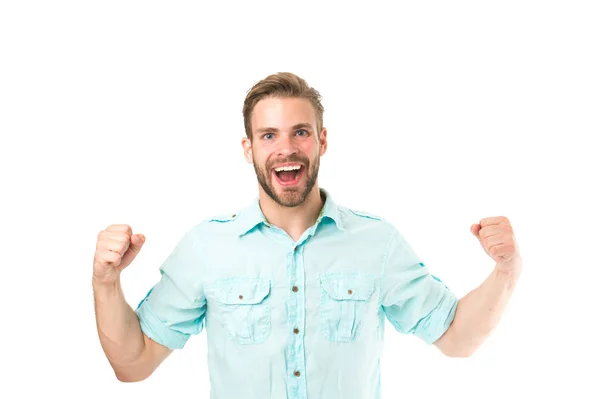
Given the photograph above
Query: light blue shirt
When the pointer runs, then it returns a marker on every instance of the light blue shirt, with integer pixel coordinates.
(289, 319)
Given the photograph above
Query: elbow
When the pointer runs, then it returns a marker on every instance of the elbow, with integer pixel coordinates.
(461, 354)
(123, 376)
(135, 371)
(461, 351)
(457, 345)
(453, 349)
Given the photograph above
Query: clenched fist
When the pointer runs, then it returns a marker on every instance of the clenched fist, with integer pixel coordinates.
(496, 236)
(116, 248)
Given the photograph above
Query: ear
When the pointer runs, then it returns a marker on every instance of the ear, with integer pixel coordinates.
(247, 147)
(323, 141)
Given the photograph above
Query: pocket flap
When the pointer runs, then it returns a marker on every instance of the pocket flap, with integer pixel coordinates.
(242, 291)
(348, 287)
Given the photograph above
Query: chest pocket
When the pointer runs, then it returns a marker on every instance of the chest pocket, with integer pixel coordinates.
(244, 308)
(343, 305)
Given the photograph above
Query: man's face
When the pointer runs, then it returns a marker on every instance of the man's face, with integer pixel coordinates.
(285, 148)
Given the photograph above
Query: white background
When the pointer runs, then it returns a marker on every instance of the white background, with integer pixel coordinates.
(439, 114)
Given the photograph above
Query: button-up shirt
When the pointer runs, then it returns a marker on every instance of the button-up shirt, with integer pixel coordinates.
(294, 319)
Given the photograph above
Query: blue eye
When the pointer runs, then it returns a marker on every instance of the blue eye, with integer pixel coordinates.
(302, 130)
(266, 136)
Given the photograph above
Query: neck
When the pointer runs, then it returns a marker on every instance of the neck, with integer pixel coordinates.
(296, 220)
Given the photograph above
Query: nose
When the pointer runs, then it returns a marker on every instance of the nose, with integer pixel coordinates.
(286, 146)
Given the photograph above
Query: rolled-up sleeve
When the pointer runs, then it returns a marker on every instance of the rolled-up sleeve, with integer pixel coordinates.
(413, 300)
(175, 307)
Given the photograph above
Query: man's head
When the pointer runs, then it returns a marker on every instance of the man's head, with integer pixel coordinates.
(283, 118)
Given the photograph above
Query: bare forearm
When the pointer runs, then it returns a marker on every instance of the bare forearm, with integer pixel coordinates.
(118, 327)
(478, 313)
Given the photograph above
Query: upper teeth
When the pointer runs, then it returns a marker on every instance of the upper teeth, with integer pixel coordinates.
(287, 168)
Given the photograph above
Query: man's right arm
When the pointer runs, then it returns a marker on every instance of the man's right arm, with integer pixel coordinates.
(132, 355)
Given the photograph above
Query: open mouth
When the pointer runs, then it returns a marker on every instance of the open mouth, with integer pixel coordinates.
(288, 175)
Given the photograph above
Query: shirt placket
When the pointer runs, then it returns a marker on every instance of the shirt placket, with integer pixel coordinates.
(296, 367)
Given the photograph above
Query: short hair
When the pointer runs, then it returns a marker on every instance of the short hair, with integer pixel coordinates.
(281, 85)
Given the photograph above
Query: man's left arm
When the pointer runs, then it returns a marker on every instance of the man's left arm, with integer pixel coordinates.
(479, 312)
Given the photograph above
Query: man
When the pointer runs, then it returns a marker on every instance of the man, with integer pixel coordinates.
(293, 289)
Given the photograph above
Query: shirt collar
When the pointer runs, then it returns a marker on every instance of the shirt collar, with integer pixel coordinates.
(252, 216)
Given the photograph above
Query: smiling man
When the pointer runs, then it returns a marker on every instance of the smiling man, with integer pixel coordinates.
(293, 289)
(285, 146)
(285, 166)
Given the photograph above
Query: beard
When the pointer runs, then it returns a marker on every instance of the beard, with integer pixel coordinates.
(291, 196)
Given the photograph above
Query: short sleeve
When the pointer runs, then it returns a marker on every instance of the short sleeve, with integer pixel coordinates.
(174, 308)
(413, 300)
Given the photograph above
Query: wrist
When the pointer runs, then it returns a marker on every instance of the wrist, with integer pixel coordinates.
(508, 274)
(106, 285)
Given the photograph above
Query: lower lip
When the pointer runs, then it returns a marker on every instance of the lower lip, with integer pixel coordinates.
(292, 182)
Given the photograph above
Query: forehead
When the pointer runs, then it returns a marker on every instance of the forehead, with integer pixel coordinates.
(282, 113)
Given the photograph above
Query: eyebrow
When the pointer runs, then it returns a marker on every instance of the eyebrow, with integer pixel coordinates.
(297, 126)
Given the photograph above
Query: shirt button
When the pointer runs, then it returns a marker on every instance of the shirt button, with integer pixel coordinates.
(349, 292)
(241, 297)
(297, 373)
(296, 331)
(234, 215)
(295, 289)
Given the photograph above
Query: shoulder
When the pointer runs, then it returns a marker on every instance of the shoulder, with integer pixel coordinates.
(211, 224)
(363, 214)
(349, 213)
(225, 222)
(354, 217)
(222, 218)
